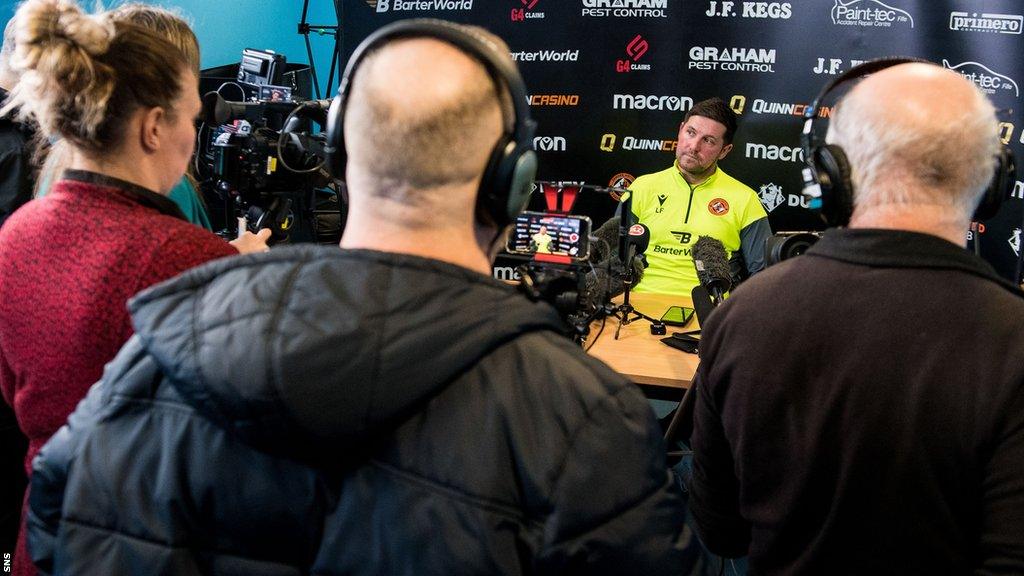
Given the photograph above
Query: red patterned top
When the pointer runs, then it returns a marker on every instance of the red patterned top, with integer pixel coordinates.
(68, 264)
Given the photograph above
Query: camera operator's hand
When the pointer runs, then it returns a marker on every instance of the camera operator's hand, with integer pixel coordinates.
(247, 242)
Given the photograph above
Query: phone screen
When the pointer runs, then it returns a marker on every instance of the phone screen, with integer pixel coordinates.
(677, 316)
(540, 233)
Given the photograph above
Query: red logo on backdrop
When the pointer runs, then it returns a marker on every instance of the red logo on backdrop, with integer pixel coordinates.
(635, 49)
(521, 14)
(636, 230)
(718, 207)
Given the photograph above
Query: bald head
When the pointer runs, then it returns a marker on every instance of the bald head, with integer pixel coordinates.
(421, 121)
(917, 134)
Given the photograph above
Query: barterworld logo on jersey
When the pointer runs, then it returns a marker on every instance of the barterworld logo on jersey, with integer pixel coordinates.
(609, 141)
(651, 102)
(626, 8)
(420, 5)
(549, 143)
(525, 10)
(732, 59)
(996, 23)
(635, 50)
(869, 13)
(762, 10)
(772, 197)
(553, 99)
(546, 56)
(989, 81)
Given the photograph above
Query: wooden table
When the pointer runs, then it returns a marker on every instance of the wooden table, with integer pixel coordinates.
(662, 371)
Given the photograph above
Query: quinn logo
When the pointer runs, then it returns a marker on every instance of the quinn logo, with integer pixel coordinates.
(990, 82)
(1001, 23)
(549, 143)
(635, 49)
(718, 207)
(419, 5)
(771, 196)
(868, 13)
(525, 11)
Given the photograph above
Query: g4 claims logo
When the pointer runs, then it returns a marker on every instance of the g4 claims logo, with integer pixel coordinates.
(636, 48)
(526, 11)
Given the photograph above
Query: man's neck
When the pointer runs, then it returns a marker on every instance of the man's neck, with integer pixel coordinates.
(934, 219)
(455, 246)
(695, 180)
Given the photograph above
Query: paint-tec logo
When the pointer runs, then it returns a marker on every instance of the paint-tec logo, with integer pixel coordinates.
(973, 22)
(635, 49)
(869, 13)
(525, 11)
(774, 10)
(549, 143)
(755, 151)
(633, 143)
(419, 5)
(553, 99)
(732, 59)
(771, 196)
(990, 82)
(547, 56)
(647, 102)
(626, 8)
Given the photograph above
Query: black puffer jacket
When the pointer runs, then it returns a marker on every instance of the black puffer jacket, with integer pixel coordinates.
(321, 411)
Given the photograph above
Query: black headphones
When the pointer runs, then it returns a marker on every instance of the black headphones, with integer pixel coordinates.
(827, 177)
(508, 177)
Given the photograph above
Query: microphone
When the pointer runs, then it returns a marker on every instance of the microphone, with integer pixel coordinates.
(606, 279)
(640, 238)
(217, 110)
(712, 267)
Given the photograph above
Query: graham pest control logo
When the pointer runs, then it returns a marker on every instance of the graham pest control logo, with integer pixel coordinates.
(525, 11)
(869, 13)
(771, 196)
(635, 50)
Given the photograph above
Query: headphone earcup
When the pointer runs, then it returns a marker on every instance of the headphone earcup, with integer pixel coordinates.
(507, 183)
(1001, 186)
(834, 177)
(334, 148)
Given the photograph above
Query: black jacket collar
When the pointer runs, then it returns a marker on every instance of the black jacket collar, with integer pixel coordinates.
(139, 194)
(902, 249)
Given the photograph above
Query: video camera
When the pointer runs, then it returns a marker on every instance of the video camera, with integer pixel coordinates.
(262, 159)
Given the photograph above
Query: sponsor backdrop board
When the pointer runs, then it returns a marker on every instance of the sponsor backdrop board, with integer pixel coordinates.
(609, 80)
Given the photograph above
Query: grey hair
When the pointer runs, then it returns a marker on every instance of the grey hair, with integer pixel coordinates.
(896, 161)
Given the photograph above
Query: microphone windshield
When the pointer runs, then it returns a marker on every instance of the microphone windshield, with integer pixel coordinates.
(712, 265)
(607, 236)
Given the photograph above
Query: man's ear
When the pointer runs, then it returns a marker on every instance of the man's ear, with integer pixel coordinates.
(151, 128)
(725, 151)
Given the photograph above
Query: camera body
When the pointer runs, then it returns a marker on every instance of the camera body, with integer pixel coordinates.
(785, 245)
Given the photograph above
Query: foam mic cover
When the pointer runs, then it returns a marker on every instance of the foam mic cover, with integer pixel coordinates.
(607, 243)
(712, 266)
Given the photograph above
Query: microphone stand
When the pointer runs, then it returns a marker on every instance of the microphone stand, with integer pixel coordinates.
(625, 312)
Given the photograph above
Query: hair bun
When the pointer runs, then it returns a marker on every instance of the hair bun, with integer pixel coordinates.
(51, 21)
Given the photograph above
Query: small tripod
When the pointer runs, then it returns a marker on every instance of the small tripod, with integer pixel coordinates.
(625, 312)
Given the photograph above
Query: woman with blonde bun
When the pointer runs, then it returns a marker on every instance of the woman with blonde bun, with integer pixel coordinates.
(123, 99)
(175, 29)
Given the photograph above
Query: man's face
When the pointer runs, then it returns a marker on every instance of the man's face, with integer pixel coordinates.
(701, 145)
